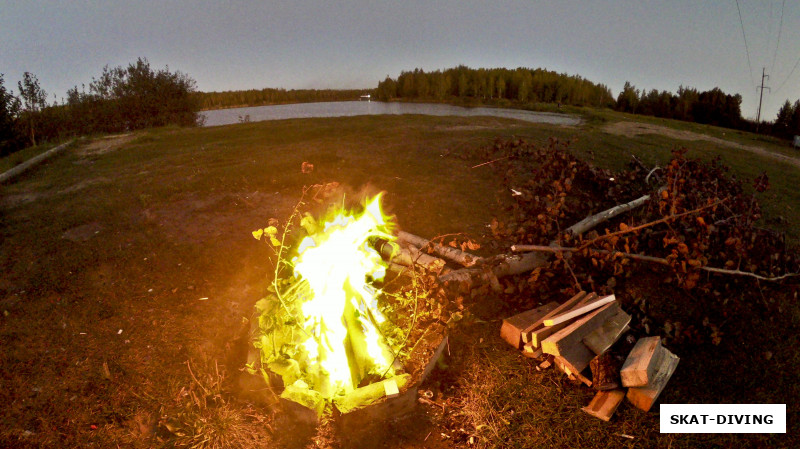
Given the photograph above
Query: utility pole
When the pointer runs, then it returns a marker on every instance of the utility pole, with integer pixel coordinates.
(760, 97)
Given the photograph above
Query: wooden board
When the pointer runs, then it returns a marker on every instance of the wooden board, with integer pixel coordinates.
(567, 368)
(511, 329)
(602, 338)
(644, 397)
(529, 351)
(538, 332)
(565, 306)
(571, 335)
(604, 404)
(642, 362)
(578, 311)
(578, 355)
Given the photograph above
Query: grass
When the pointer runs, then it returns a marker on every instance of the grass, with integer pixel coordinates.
(107, 258)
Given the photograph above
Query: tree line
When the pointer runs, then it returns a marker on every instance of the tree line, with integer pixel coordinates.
(525, 87)
(261, 97)
(713, 107)
(120, 99)
(521, 85)
(788, 122)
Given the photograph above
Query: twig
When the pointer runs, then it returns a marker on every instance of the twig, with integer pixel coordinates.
(647, 178)
(747, 273)
(189, 366)
(492, 161)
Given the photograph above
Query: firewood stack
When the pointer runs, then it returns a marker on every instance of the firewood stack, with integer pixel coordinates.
(578, 334)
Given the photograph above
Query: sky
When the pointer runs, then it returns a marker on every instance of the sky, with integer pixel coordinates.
(293, 44)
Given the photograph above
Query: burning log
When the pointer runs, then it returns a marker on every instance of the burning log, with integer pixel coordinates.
(302, 402)
(364, 396)
(407, 256)
(461, 257)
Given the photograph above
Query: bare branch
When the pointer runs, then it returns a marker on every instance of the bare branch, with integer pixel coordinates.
(645, 258)
(652, 223)
(594, 220)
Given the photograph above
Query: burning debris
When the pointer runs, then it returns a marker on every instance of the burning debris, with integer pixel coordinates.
(324, 335)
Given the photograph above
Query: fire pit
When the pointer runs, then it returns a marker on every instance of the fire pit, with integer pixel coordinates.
(344, 330)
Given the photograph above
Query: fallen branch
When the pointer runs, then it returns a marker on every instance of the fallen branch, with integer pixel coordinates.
(645, 258)
(456, 255)
(649, 224)
(407, 256)
(590, 222)
(509, 265)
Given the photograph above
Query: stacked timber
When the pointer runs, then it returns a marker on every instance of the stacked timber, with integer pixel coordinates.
(579, 334)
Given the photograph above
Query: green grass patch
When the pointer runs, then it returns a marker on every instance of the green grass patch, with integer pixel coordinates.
(18, 157)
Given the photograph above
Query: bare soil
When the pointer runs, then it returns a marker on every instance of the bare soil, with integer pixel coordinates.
(105, 144)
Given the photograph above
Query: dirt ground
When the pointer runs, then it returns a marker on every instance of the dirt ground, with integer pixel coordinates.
(633, 129)
(130, 274)
(104, 145)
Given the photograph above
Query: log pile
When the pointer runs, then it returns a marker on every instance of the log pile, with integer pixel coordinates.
(579, 334)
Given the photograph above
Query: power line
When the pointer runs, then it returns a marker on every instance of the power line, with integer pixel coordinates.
(780, 28)
(746, 49)
(790, 75)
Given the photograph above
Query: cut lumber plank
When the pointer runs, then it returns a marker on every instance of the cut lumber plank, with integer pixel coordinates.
(565, 367)
(578, 355)
(576, 312)
(531, 352)
(572, 335)
(602, 338)
(568, 304)
(642, 362)
(604, 404)
(644, 397)
(511, 329)
(540, 333)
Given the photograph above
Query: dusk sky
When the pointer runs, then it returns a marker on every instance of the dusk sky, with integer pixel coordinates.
(354, 44)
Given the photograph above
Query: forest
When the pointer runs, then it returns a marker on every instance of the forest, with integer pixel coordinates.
(120, 99)
(138, 96)
(260, 97)
(521, 85)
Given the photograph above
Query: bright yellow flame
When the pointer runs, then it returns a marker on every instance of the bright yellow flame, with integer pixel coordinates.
(341, 308)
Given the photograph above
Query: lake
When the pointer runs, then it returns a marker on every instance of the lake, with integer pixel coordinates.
(218, 117)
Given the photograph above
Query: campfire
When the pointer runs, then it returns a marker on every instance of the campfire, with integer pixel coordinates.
(322, 336)
(335, 269)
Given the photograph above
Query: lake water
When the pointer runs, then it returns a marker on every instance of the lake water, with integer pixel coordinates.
(218, 117)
